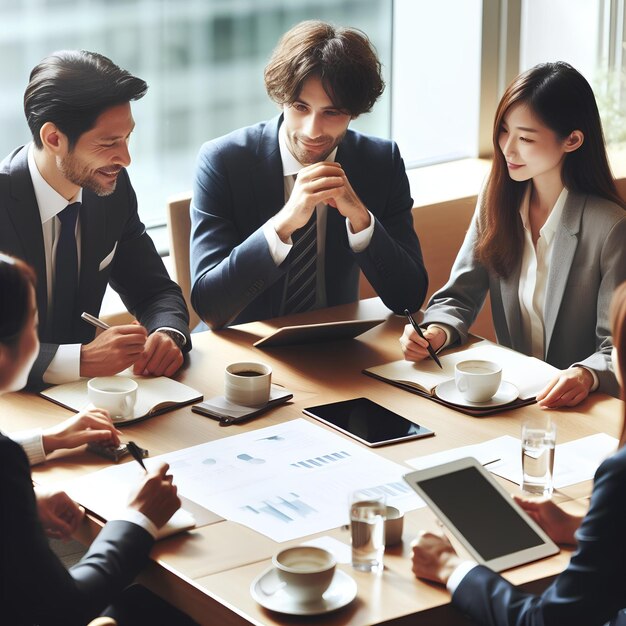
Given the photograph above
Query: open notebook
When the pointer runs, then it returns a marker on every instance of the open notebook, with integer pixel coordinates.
(154, 396)
(528, 374)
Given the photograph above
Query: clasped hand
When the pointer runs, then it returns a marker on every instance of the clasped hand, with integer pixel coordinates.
(119, 347)
(326, 183)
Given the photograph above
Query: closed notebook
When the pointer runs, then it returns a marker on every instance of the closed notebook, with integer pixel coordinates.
(528, 374)
(154, 396)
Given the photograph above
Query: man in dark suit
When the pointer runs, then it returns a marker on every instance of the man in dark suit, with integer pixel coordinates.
(285, 213)
(67, 208)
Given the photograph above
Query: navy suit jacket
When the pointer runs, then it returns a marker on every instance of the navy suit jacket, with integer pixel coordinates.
(35, 587)
(593, 587)
(115, 248)
(239, 185)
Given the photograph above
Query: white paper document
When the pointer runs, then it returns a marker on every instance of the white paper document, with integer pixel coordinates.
(574, 462)
(284, 481)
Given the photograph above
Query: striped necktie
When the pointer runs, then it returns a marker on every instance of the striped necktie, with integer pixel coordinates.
(302, 277)
(65, 290)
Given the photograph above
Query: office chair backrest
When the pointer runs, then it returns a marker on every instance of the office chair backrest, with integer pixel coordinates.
(179, 228)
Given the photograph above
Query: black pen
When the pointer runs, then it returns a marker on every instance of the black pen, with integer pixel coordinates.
(134, 450)
(418, 330)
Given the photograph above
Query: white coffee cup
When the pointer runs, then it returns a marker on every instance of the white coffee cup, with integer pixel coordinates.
(248, 383)
(306, 571)
(116, 394)
(477, 380)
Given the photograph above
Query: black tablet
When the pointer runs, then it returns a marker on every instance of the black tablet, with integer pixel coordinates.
(367, 422)
(481, 514)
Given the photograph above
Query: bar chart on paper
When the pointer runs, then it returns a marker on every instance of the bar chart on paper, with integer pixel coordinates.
(285, 481)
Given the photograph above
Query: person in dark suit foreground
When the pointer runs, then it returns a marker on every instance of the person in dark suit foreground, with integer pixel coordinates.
(592, 590)
(68, 209)
(35, 587)
(286, 212)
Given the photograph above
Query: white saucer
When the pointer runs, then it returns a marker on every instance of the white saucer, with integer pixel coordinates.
(269, 592)
(447, 391)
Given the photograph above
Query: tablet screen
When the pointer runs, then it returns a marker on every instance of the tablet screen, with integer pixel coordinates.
(368, 422)
(480, 513)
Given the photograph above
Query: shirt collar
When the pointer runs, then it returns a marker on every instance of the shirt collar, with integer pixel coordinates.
(548, 230)
(49, 201)
(291, 165)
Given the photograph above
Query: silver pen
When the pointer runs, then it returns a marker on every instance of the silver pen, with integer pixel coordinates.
(94, 321)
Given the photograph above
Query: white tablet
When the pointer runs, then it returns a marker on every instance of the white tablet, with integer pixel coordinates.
(481, 514)
(315, 333)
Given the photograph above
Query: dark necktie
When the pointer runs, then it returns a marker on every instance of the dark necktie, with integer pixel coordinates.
(65, 276)
(301, 280)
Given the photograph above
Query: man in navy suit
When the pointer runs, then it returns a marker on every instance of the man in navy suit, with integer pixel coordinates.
(286, 212)
(67, 208)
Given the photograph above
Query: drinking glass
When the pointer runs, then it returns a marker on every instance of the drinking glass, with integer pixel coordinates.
(367, 526)
(538, 441)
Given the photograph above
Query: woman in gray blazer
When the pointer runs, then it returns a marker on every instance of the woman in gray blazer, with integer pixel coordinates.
(547, 240)
(592, 589)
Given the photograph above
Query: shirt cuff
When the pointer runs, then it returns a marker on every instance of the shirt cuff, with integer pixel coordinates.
(278, 248)
(136, 517)
(448, 332)
(359, 241)
(65, 365)
(596, 380)
(32, 442)
(459, 574)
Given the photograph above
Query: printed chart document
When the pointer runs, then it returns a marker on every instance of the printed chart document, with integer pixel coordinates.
(528, 374)
(574, 461)
(285, 481)
(154, 396)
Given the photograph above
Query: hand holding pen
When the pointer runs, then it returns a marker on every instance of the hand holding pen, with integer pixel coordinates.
(408, 344)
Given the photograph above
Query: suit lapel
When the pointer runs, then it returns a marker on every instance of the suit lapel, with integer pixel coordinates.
(509, 288)
(564, 249)
(267, 176)
(24, 213)
(269, 191)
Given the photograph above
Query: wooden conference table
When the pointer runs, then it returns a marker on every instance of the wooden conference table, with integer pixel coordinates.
(208, 572)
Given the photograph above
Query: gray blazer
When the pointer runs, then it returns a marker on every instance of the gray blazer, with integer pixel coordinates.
(588, 263)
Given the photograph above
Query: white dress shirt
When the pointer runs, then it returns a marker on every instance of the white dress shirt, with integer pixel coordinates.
(279, 249)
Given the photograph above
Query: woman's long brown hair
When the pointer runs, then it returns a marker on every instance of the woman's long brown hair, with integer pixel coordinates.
(563, 100)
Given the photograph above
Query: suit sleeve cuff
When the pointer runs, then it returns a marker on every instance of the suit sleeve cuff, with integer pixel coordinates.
(65, 366)
(32, 443)
(459, 574)
(139, 519)
(169, 329)
(359, 241)
(448, 332)
(278, 248)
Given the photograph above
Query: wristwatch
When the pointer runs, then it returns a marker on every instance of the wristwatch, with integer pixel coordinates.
(178, 338)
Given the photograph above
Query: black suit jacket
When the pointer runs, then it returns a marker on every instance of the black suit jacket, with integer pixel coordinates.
(593, 587)
(111, 235)
(239, 185)
(35, 587)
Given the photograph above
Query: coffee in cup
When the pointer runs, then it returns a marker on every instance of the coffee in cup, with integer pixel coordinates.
(306, 571)
(248, 383)
(116, 394)
(477, 380)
